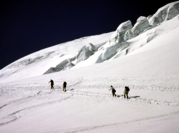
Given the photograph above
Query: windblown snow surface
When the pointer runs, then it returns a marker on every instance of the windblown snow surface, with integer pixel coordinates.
(144, 57)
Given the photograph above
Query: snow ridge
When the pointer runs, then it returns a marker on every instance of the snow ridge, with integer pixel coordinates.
(94, 49)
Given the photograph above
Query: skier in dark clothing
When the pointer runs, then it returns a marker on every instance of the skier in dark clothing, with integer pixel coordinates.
(126, 92)
(52, 83)
(64, 86)
(113, 91)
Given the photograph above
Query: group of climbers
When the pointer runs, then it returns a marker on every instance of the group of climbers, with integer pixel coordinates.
(126, 89)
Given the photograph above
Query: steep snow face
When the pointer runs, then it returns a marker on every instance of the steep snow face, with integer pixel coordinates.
(95, 49)
(85, 52)
(53, 59)
(165, 13)
(141, 25)
(126, 36)
(66, 64)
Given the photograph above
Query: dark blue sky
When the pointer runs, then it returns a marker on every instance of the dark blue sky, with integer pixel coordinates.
(27, 26)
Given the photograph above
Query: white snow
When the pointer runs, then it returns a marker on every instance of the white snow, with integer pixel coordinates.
(148, 63)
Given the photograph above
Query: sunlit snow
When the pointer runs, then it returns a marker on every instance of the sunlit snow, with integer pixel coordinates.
(144, 57)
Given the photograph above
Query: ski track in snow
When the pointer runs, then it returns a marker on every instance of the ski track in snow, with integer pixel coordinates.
(82, 129)
(120, 98)
(31, 107)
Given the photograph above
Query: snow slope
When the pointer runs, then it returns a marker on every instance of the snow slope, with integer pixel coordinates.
(41, 61)
(93, 49)
(147, 63)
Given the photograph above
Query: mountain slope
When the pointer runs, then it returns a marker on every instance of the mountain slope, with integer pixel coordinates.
(126, 40)
(147, 63)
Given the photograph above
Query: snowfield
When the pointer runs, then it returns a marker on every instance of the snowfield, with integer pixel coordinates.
(146, 61)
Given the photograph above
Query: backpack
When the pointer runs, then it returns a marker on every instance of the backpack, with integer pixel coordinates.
(127, 88)
(113, 90)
